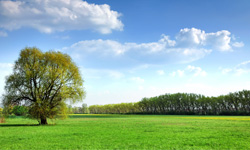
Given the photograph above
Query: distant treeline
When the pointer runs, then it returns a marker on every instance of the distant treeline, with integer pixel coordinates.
(237, 103)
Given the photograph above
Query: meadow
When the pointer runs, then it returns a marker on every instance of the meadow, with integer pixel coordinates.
(128, 132)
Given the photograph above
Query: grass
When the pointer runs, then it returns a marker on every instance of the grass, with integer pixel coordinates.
(128, 132)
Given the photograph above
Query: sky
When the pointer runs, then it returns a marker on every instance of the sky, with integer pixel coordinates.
(127, 50)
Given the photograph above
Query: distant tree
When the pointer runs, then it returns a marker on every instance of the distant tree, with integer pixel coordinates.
(43, 82)
(77, 110)
(85, 109)
(69, 109)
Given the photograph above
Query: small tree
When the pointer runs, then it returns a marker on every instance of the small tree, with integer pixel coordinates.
(43, 82)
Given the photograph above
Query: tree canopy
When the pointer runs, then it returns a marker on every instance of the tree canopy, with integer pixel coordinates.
(43, 82)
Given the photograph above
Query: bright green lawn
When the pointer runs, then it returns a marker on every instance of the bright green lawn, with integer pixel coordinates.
(128, 132)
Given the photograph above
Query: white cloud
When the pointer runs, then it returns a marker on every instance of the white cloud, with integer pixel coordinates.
(240, 69)
(220, 40)
(58, 15)
(238, 44)
(137, 79)
(160, 72)
(191, 37)
(244, 64)
(100, 47)
(180, 73)
(194, 71)
(189, 45)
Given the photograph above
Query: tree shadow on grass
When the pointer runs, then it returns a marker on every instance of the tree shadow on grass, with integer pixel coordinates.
(18, 125)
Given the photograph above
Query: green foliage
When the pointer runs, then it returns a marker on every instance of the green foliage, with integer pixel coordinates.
(237, 103)
(2, 120)
(123, 108)
(43, 82)
(129, 132)
(8, 110)
(20, 110)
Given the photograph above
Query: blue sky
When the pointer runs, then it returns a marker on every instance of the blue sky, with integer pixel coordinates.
(131, 49)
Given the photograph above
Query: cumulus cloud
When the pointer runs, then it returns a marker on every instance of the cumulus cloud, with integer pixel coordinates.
(189, 45)
(194, 71)
(220, 40)
(58, 15)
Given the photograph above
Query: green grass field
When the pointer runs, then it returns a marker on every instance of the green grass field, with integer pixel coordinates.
(128, 132)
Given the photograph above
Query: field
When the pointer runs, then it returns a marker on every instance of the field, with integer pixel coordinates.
(128, 132)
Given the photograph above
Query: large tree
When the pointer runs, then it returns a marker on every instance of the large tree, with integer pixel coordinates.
(43, 82)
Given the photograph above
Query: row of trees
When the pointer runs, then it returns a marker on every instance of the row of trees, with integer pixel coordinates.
(123, 108)
(237, 103)
(78, 110)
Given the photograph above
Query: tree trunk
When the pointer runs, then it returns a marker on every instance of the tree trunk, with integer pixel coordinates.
(44, 121)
